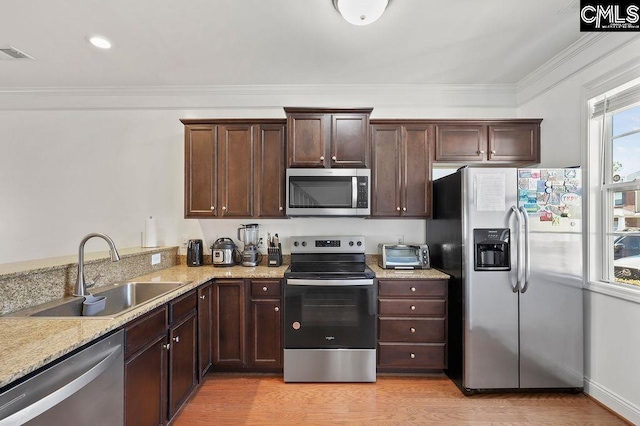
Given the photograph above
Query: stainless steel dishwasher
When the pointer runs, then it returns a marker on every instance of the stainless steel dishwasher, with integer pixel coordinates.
(86, 388)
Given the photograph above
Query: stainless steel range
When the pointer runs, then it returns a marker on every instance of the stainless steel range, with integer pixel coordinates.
(329, 311)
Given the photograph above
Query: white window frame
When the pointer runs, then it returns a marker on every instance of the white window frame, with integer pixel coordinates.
(599, 186)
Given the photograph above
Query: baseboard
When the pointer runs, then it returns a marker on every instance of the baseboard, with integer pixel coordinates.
(615, 403)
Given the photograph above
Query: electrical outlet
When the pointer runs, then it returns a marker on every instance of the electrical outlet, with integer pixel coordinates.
(156, 258)
(185, 240)
(400, 239)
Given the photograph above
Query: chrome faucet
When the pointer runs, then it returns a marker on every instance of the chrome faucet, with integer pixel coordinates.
(81, 287)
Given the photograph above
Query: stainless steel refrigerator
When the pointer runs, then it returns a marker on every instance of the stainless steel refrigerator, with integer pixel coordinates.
(511, 240)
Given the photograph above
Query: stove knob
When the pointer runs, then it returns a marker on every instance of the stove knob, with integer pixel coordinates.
(304, 244)
(359, 243)
(295, 244)
(351, 243)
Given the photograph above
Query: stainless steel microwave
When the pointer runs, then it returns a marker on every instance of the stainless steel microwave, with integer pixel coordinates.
(328, 192)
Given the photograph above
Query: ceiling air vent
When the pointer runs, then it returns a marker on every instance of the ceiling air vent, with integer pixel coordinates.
(13, 53)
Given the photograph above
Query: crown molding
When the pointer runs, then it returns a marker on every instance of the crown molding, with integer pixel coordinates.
(259, 96)
(589, 49)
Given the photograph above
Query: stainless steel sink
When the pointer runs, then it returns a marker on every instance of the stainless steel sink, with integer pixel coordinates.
(120, 298)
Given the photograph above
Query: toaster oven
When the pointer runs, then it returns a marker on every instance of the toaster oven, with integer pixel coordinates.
(403, 256)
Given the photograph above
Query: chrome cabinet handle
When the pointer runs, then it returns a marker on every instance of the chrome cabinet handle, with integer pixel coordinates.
(413, 330)
(213, 207)
(413, 289)
(397, 208)
(413, 308)
(413, 356)
(224, 208)
(481, 152)
(264, 288)
(493, 151)
(277, 309)
(167, 346)
(404, 209)
(176, 339)
(334, 158)
(203, 296)
(280, 208)
(322, 158)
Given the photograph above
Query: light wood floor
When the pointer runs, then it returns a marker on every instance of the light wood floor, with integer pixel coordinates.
(415, 400)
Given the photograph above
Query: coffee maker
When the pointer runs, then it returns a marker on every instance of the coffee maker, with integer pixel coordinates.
(249, 235)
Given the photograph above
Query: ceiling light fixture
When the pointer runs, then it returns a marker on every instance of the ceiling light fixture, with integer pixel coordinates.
(361, 12)
(99, 41)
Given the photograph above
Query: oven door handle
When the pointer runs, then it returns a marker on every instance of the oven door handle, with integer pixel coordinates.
(336, 283)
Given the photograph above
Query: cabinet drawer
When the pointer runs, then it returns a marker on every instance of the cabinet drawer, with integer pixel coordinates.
(144, 330)
(182, 306)
(396, 307)
(412, 288)
(421, 330)
(264, 288)
(432, 356)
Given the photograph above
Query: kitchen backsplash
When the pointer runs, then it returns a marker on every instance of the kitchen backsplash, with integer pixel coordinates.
(26, 284)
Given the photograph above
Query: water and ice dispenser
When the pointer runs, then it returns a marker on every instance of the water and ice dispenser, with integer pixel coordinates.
(491, 249)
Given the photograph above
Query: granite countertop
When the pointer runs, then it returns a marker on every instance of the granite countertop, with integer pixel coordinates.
(28, 343)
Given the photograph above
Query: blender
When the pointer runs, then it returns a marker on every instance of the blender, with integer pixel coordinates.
(248, 234)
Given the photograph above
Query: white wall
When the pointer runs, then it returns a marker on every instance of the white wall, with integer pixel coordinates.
(612, 341)
(77, 162)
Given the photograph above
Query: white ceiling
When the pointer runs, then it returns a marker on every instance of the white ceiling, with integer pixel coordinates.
(279, 42)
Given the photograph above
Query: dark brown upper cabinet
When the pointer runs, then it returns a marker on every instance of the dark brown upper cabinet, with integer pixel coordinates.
(326, 138)
(234, 168)
(484, 142)
(401, 170)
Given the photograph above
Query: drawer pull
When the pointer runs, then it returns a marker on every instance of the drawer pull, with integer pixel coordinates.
(413, 307)
(277, 309)
(413, 330)
(204, 296)
(264, 288)
(413, 356)
(166, 347)
(413, 289)
(176, 339)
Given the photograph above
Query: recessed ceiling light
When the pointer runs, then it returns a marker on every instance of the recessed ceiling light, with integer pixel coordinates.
(99, 41)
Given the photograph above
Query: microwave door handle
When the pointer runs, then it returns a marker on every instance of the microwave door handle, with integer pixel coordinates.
(354, 192)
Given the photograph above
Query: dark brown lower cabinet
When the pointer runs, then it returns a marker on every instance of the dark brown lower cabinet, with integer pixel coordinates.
(247, 325)
(265, 326)
(205, 329)
(145, 369)
(412, 325)
(160, 362)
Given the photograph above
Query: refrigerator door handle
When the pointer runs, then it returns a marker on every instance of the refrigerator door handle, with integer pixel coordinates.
(518, 235)
(527, 252)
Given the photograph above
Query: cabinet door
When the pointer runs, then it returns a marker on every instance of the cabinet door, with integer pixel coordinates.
(460, 142)
(228, 324)
(514, 143)
(306, 140)
(385, 172)
(350, 140)
(416, 172)
(182, 362)
(205, 329)
(235, 170)
(200, 180)
(145, 375)
(270, 171)
(265, 332)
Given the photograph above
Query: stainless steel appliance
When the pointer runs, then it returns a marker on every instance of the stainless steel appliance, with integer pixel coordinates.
(328, 192)
(249, 235)
(224, 252)
(195, 253)
(403, 256)
(86, 388)
(511, 239)
(329, 311)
